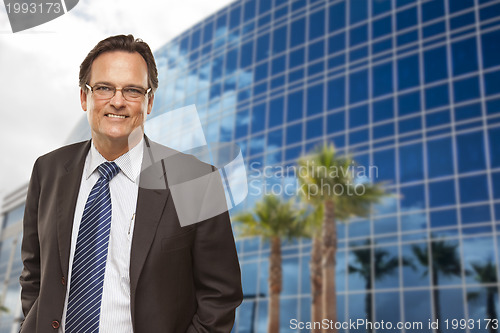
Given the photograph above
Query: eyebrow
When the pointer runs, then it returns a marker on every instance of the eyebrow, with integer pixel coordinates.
(106, 83)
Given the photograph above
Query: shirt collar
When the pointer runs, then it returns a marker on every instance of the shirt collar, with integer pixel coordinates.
(129, 163)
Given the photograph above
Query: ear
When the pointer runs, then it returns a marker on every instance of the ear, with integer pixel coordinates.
(150, 103)
(83, 99)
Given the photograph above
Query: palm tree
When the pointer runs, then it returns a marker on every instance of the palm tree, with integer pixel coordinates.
(313, 230)
(487, 274)
(273, 219)
(383, 265)
(444, 261)
(329, 180)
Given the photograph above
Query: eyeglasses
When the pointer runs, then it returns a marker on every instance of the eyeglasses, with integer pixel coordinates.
(132, 94)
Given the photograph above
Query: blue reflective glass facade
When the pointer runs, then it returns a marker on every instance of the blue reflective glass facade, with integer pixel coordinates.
(410, 87)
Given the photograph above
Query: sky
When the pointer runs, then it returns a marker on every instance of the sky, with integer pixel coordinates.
(39, 93)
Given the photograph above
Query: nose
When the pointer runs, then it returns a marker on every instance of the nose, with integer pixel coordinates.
(117, 100)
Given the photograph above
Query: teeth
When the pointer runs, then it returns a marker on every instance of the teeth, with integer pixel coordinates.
(115, 116)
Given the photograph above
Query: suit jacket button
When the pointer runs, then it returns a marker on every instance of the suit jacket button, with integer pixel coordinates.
(63, 281)
(55, 324)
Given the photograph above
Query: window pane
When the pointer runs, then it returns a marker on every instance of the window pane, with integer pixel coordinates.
(379, 7)
(444, 218)
(383, 110)
(475, 214)
(456, 6)
(432, 9)
(420, 300)
(442, 193)
(234, 17)
(473, 189)
(294, 134)
(435, 64)
(358, 116)
(337, 16)
(470, 150)
(263, 47)
(409, 103)
(382, 27)
(279, 39)
(316, 50)
(315, 99)
(298, 32)
(296, 58)
(410, 163)
(261, 72)
(336, 43)
(494, 142)
(358, 86)
(382, 131)
(358, 11)
(314, 128)
(294, 106)
(358, 35)
(437, 118)
(358, 137)
(231, 61)
(258, 118)
(415, 276)
(382, 79)
(408, 72)
(492, 83)
(412, 198)
(491, 48)
(246, 54)
(406, 18)
(440, 158)
(336, 122)
(278, 65)
(249, 10)
(317, 24)
(384, 160)
(336, 93)
(436, 96)
(466, 89)
(208, 32)
(464, 56)
(242, 121)
(276, 112)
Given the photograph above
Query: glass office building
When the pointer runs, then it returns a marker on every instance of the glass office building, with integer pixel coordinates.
(409, 87)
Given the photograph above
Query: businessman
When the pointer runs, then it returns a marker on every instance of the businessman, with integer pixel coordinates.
(103, 248)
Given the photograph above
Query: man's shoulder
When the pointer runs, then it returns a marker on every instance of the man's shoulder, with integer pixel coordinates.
(64, 153)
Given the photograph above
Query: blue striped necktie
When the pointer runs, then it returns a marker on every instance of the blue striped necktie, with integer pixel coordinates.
(89, 262)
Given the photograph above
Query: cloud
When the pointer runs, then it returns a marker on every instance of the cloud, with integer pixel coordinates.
(39, 70)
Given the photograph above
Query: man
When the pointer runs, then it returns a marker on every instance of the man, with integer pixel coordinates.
(103, 249)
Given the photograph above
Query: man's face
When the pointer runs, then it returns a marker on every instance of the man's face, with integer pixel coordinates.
(118, 69)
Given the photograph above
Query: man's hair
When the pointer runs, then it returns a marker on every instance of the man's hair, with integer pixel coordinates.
(120, 43)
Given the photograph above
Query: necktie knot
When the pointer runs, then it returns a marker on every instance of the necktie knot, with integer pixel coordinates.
(108, 170)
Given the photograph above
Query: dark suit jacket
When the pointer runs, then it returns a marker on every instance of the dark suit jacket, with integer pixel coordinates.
(182, 279)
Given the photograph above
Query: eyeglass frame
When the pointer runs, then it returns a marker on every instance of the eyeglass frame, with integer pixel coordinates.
(88, 86)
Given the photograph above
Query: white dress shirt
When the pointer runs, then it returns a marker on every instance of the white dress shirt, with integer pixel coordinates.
(115, 305)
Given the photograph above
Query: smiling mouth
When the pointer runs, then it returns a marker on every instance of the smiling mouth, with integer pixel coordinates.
(110, 115)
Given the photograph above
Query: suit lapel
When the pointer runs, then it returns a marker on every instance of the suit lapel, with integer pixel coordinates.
(152, 197)
(67, 194)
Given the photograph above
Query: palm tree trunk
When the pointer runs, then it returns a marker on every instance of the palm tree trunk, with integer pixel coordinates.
(316, 282)
(491, 312)
(275, 284)
(368, 305)
(329, 262)
(435, 293)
